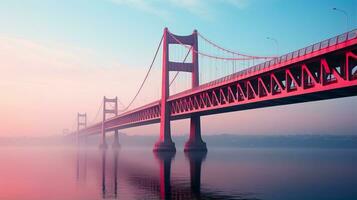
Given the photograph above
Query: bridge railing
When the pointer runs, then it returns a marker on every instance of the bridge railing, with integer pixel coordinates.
(278, 60)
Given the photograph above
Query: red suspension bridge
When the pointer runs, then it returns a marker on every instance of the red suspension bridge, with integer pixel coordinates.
(324, 70)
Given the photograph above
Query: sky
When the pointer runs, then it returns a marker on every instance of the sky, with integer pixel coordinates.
(61, 57)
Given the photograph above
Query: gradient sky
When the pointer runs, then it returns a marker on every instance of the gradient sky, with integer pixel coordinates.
(60, 57)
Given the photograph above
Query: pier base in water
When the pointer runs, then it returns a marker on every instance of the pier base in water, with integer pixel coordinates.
(195, 146)
(164, 146)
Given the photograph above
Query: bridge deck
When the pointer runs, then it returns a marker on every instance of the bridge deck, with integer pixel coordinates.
(324, 70)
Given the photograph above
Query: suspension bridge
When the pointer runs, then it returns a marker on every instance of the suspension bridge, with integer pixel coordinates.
(230, 81)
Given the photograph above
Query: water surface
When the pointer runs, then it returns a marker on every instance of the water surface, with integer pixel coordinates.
(128, 173)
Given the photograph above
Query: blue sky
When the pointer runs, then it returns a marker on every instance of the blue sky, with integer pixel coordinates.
(65, 55)
(127, 28)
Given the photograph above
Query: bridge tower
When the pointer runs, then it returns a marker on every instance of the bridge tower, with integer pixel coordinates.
(109, 110)
(81, 123)
(165, 142)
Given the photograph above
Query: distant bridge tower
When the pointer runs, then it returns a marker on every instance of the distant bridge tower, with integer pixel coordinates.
(109, 110)
(81, 123)
(165, 142)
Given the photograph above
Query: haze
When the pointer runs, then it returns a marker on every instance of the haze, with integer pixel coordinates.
(60, 58)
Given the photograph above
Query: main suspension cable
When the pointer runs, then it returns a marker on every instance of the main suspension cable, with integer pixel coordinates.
(97, 114)
(122, 105)
(232, 52)
(146, 76)
(212, 56)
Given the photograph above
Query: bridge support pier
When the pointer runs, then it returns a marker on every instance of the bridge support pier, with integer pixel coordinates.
(165, 142)
(116, 143)
(195, 142)
(164, 146)
(104, 144)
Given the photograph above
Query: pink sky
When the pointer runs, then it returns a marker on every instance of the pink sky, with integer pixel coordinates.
(43, 86)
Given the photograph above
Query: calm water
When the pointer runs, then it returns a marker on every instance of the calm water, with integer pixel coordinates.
(242, 173)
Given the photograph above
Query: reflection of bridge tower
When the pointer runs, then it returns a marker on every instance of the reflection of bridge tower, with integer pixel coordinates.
(104, 154)
(165, 159)
(81, 171)
(165, 142)
(109, 110)
(115, 174)
(196, 159)
(105, 192)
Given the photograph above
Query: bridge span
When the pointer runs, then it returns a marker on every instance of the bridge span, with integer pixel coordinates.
(324, 70)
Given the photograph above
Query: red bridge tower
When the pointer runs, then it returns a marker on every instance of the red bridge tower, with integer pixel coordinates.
(165, 143)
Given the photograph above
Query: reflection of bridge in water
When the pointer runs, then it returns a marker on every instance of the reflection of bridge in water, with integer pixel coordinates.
(155, 186)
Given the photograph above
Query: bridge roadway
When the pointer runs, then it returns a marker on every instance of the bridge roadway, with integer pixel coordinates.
(324, 70)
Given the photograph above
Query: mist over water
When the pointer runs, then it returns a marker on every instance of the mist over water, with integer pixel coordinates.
(39, 172)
